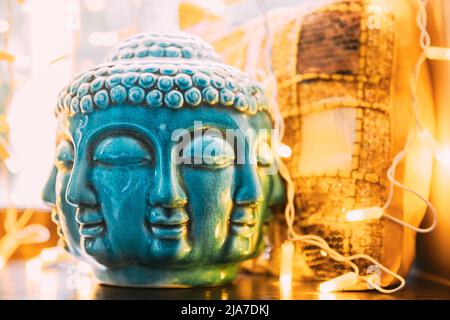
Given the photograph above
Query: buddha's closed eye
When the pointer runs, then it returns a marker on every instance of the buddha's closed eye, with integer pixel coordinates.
(121, 151)
(64, 156)
(208, 151)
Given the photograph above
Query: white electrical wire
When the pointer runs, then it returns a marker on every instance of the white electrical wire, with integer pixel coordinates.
(284, 172)
(425, 43)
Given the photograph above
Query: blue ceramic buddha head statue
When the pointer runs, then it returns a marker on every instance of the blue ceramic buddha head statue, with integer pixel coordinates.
(160, 173)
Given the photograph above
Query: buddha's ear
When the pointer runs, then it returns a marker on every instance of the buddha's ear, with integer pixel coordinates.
(278, 192)
(48, 194)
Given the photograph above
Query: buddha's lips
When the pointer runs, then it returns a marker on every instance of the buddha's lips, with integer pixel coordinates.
(167, 216)
(250, 223)
(168, 223)
(92, 222)
(169, 232)
(92, 230)
(243, 221)
(244, 216)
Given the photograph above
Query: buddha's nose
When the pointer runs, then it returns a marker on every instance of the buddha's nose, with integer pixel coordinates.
(248, 191)
(79, 191)
(167, 191)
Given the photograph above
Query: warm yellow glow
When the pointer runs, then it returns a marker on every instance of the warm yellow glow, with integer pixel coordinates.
(328, 286)
(4, 153)
(4, 26)
(284, 151)
(327, 296)
(285, 291)
(426, 137)
(18, 232)
(438, 53)
(340, 283)
(49, 255)
(286, 265)
(6, 56)
(364, 214)
(323, 253)
(106, 39)
(441, 154)
(95, 5)
(224, 295)
(314, 159)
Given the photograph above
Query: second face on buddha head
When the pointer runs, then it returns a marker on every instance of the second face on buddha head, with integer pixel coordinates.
(135, 204)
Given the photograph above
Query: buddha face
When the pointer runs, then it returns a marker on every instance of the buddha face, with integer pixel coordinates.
(142, 187)
(63, 214)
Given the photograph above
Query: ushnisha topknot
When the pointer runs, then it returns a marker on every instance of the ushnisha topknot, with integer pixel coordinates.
(166, 69)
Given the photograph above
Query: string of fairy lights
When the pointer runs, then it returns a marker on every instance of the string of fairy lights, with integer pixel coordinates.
(418, 132)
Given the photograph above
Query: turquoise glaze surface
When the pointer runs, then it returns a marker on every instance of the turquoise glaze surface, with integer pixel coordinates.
(148, 187)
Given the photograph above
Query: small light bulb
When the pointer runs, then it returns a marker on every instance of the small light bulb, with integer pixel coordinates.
(364, 214)
(340, 283)
(284, 151)
(438, 53)
(84, 289)
(286, 266)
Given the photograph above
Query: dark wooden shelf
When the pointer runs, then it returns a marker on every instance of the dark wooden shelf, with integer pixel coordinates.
(57, 283)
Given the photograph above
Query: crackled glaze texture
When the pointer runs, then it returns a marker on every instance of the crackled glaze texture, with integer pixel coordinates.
(123, 200)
